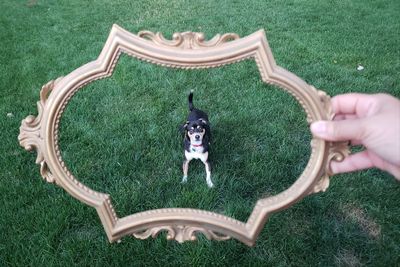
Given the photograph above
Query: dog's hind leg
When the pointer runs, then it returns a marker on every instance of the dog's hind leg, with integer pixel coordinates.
(185, 170)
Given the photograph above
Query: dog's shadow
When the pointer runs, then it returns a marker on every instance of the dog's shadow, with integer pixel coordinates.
(259, 157)
(249, 160)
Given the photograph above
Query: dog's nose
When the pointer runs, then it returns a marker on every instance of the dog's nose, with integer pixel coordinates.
(197, 137)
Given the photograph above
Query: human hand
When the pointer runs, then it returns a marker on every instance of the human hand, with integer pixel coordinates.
(369, 120)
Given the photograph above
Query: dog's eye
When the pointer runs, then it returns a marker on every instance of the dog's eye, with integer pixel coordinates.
(191, 131)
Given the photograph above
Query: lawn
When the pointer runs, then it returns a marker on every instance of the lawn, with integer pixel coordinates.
(120, 135)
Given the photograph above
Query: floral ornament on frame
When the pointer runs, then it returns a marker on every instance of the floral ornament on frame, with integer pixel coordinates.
(186, 50)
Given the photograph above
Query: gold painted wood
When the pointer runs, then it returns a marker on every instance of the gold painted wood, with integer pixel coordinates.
(186, 50)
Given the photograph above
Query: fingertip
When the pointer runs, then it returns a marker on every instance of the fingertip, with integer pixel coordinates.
(341, 130)
(318, 128)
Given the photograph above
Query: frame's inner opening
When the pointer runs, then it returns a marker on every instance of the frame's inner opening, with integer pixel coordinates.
(120, 136)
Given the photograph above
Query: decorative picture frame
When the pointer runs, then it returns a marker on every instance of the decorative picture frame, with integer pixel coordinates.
(187, 50)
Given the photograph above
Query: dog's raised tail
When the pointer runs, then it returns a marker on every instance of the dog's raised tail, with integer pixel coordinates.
(191, 107)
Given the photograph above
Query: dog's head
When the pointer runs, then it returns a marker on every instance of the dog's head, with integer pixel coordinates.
(196, 131)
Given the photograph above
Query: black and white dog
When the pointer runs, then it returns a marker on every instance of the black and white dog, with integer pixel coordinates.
(197, 140)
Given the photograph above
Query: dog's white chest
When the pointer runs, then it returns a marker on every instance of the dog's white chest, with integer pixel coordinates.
(196, 153)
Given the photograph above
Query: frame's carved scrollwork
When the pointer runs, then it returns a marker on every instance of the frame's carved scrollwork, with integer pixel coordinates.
(31, 132)
(337, 150)
(180, 233)
(186, 50)
(188, 40)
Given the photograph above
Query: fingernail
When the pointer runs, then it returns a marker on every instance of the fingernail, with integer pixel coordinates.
(318, 127)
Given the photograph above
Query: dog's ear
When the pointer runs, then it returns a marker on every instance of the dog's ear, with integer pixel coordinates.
(183, 128)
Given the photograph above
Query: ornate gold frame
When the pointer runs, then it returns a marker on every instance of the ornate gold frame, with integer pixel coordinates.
(186, 50)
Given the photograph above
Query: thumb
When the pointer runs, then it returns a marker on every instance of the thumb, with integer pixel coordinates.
(339, 130)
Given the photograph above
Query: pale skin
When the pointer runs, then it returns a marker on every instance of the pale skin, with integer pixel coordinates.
(372, 121)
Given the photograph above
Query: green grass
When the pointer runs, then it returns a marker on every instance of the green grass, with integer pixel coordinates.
(255, 152)
(120, 135)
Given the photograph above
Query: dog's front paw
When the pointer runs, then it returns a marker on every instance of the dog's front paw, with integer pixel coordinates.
(184, 180)
(210, 184)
